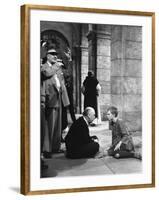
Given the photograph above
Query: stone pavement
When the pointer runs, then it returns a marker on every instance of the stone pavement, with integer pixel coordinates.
(59, 166)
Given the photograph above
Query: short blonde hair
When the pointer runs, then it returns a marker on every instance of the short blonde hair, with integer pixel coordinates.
(113, 110)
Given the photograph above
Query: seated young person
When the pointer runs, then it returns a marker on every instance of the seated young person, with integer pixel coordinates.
(122, 143)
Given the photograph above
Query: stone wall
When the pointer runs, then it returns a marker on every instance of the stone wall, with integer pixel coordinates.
(126, 74)
(103, 66)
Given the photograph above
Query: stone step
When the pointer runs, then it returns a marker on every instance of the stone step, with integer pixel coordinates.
(103, 126)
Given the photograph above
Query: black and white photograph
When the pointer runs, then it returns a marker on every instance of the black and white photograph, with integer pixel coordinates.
(87, 99)
(91, 99)
(79, 100)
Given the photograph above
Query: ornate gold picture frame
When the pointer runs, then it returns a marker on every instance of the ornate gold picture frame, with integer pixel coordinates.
(116, 31)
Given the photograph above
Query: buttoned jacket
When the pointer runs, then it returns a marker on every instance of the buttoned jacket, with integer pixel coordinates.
(120, 133)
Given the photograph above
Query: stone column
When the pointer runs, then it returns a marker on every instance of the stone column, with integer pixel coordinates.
(77, 77)
(103, 40)
(91, 35)
(126, 74)
(84, 58)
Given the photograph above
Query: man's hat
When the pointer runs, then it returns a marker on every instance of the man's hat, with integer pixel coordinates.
(52, 52)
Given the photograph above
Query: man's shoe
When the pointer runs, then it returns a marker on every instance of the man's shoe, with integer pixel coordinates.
(43, 165)
(138, 155)
(47, 155)
(99, 154)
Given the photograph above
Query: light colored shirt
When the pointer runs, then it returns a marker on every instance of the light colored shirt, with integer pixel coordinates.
(98, 88)
(58, 85)
(57, 82)
(85, 120)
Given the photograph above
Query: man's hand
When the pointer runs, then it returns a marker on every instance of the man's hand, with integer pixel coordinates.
(68, 54)
(94, 137)
(117, 147)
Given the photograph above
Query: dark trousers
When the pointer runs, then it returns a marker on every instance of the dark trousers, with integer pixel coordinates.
(54, 128)
(86, 151)
(42, 127)
(70, 107)
(122, 153)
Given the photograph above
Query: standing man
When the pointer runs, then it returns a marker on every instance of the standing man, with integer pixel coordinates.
(79, 144)
(55, 94)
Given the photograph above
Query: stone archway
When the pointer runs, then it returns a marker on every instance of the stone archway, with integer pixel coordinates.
(56, 40)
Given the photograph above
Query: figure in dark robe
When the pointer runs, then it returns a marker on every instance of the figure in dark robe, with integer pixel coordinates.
(91, 89)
